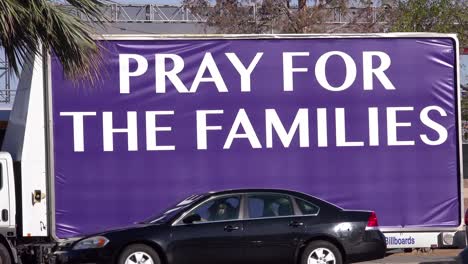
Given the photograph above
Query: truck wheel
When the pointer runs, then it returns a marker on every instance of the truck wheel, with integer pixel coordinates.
(321, 252)
(4, 255)
(139, 253)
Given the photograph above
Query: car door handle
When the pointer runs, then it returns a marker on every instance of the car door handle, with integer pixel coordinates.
(4, 215)
(230, 228)
(295, 224)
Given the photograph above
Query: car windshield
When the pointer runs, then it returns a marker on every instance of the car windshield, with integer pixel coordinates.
(163, 217)
(170, 212)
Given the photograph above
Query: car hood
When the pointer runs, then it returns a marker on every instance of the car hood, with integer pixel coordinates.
(130, 227)
(113, 231)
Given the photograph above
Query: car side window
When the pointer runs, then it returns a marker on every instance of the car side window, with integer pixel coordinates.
(307, 208)
(269, 205)
(219, 209)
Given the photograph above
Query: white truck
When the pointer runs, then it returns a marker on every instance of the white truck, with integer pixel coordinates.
(364, 121)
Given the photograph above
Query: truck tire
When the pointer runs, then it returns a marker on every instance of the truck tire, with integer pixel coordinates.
(139, 252)
(4, 255)
(321, 252)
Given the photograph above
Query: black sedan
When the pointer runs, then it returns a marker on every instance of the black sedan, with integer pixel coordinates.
(238, 226)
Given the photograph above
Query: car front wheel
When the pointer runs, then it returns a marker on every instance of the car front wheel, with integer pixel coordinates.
(321, 252)
(4, 255)
(138, 254)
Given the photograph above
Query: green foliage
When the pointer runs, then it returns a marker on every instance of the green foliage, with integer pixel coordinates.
(442, 16)
(278, 16)
(26, 24)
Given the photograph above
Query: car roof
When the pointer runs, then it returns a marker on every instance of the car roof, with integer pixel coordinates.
(256, 190)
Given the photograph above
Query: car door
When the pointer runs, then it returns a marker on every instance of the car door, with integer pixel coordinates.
(271, 229)
(216, 239)
(4, 197)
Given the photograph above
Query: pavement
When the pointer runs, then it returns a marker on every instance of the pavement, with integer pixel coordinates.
(439, 256)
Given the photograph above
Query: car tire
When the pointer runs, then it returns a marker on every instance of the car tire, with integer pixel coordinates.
(134, 253)
(322, 250)
(5, 257)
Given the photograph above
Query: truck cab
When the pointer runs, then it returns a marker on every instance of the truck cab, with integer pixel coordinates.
(7, 196)
(7, 202)
(23, 203)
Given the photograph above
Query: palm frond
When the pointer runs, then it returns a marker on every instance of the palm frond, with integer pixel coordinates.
(27, 26)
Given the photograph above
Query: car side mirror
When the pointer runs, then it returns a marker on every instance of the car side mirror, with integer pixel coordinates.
(192, 218)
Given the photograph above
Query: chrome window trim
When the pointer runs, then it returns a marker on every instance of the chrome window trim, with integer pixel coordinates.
(180, 223)
(293, 198)
(243, 209)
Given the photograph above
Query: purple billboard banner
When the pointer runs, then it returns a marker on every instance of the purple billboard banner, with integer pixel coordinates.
(363, 123)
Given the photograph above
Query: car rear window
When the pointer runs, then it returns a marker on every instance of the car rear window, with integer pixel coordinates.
(307, 208)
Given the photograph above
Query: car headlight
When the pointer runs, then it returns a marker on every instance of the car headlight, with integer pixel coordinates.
(92, 242)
